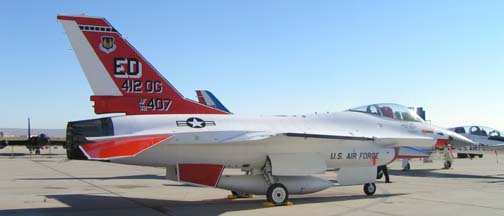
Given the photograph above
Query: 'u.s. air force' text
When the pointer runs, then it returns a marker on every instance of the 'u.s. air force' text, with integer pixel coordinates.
(354, 155)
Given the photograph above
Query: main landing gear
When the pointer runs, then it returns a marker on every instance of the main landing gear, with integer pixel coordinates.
(277, 194)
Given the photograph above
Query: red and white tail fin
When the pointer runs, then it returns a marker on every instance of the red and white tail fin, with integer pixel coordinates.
(122, 80)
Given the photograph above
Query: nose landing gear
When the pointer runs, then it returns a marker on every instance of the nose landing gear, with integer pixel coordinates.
(369, 189)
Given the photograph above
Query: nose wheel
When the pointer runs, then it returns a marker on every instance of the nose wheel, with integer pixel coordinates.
(277, 194)
(369, 188)
(447, 165)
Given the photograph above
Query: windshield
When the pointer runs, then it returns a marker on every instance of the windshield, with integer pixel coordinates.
(392, 111)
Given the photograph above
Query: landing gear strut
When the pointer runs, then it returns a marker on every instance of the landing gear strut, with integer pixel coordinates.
(448, 158)
(277, 193)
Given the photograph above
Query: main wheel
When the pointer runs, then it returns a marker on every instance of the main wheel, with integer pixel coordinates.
(369, 188)
(277, 193)
(447, 165)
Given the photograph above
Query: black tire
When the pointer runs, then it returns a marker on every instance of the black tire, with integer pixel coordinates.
(447, 165)
(407, 168)
(369, 189)
(277, 194)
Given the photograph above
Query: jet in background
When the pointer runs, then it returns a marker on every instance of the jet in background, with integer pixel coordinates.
(33, 143)
(485, 138)
(195, 142)
(207, 98)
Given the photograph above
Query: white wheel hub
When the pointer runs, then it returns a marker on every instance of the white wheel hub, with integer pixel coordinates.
(278, 195)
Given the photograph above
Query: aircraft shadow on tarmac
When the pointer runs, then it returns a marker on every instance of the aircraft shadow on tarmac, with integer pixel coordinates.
(128, 177)
(90, 204)
(432, 174)
(13, 154)
(28, 154)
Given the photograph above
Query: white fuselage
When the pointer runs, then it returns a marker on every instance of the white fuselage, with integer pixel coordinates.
(221, 140)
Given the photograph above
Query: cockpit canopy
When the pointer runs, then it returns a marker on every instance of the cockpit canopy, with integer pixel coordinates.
(389, 110)
(478, 130)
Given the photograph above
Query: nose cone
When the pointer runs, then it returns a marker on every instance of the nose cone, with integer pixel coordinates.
(458, 140)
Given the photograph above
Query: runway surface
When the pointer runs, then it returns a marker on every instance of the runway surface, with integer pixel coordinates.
(53, 185)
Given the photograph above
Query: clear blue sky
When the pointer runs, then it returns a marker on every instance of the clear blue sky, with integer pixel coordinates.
(270, 57)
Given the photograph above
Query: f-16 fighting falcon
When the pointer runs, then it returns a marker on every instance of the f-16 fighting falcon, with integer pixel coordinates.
(195, 143)
(484, 137)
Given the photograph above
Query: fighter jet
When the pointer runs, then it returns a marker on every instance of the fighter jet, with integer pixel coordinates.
(278, 154)
(34, 143)
(485, 138)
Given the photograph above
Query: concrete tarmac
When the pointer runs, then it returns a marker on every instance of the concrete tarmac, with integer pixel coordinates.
(53, 185)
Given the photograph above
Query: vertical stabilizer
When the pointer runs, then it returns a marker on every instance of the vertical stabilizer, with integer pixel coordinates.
(122, 80)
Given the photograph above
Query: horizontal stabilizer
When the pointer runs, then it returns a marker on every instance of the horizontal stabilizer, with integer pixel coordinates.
(121, 147)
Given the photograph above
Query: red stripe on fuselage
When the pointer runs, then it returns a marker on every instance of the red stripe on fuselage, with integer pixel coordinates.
(121, 147)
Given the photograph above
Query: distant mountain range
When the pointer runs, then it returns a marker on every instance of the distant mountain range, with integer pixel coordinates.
(53, 133)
